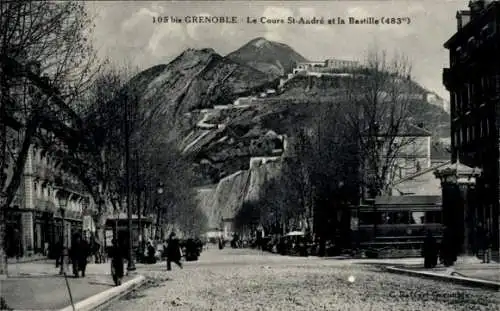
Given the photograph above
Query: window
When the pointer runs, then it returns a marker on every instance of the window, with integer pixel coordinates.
(395, 218)
(417, 218)
(465, 99)
(433, 217)
(470, 95)
(453, 103)
(496, 79)
(367, 218)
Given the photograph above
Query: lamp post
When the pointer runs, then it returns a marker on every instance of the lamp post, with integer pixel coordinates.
(159, 191)
(116, 213)
(130, 264)
(63, 202)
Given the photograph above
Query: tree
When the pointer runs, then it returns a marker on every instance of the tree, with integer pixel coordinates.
(96, 157)
(36, 38)
(326, 156)
(163, 164)
(248, 216)
(380, 97)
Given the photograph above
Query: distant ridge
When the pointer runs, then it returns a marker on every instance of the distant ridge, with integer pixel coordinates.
(270, 57)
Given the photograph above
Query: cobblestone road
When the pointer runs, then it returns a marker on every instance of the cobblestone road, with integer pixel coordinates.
(251, 280)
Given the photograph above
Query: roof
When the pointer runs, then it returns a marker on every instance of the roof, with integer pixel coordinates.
(425, 184)
(459, 169)
(413, 130)
(430, 169)
(439, 152)
(408, 200)
(409, 130)
(494, 5)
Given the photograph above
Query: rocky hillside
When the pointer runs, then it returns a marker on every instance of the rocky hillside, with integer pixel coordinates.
(196, 79)
(272, 58)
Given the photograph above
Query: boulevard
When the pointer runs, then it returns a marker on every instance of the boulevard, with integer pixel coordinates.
(245, 279)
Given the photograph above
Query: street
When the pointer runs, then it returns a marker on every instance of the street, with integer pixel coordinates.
(242, 279)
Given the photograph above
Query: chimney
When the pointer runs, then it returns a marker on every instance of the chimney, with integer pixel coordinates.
(476, 7)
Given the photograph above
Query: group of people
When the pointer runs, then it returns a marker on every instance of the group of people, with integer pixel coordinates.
(81, 250)
(118, 255)
(447, 251)
(78, 254)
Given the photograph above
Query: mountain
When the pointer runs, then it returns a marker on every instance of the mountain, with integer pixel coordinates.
(272, 58)
(196, 79)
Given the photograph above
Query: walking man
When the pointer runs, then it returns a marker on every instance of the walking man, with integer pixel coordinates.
(117, 255)
(173, 252)
(430, 251)
(79, 253)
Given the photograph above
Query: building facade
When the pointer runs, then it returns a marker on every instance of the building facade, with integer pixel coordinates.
(329, 65)
(415, 152)
(46, 197)
(411, 153)
(473, 80)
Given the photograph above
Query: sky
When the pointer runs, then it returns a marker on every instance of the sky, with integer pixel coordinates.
(125, 33)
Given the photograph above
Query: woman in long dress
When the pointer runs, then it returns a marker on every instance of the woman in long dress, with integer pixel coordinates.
(117, 256)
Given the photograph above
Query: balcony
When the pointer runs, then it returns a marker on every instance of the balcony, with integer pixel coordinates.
(448, 78)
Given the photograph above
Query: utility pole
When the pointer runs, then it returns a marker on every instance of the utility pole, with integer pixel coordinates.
(138, 199)
(131, 264)
(4, 88)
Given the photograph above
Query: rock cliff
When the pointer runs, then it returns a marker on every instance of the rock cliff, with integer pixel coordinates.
(223, 200)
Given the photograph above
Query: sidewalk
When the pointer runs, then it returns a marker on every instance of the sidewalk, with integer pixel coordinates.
(471, 272)
(38, 286)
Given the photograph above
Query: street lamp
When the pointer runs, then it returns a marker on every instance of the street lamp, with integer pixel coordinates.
(63, 202)
(116, 213)
(159, 190)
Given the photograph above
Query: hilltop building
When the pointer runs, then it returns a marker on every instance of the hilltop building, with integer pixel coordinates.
(471, 185)
(327, 66)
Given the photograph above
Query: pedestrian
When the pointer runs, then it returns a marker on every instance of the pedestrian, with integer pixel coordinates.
(117, 255)
(486, 248)
(430, 251)
(79, 253)
(173, 252)
(221, 243)
(151, 251)
(58, 252)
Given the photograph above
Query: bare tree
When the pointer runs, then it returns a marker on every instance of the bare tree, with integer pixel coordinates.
(380, 97)
(36, 38)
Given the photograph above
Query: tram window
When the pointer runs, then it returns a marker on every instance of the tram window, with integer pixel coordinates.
(417, 218)
(367, 218)
(395, 218)
(433, 217)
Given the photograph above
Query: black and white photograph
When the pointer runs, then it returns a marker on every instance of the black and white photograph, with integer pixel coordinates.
(337, 155)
